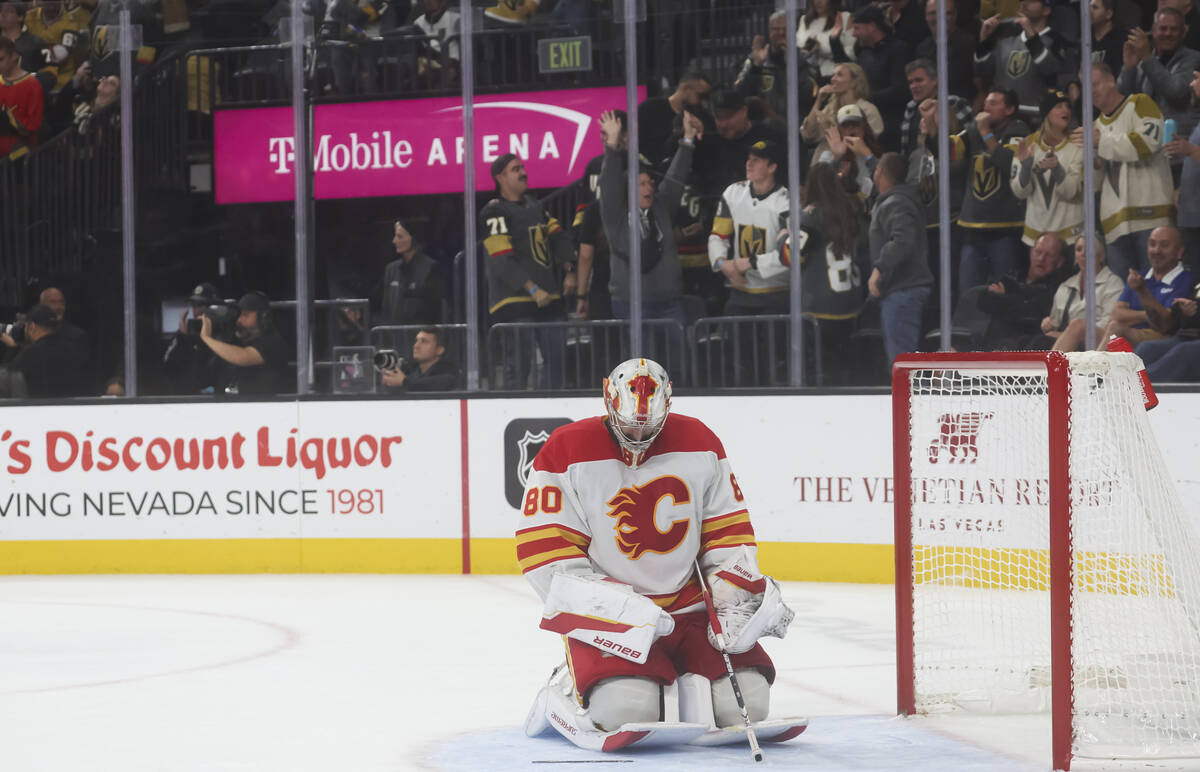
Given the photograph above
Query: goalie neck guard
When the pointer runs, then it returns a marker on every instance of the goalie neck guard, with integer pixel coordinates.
(637, 398)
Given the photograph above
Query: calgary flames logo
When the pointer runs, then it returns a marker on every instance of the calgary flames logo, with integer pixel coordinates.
(634, 508)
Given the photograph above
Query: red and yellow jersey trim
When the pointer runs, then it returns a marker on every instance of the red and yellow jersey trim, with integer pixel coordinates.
(731, 530)
(541, 545)
(672, 602)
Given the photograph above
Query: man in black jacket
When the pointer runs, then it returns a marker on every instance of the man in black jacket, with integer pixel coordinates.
(427, 370)
(900, 276)
(50, 361)
(1018, 307)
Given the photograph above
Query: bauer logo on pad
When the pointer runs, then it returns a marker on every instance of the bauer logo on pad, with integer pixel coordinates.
(523, 438)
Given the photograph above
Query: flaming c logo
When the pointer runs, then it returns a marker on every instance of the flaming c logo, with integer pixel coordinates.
(634, 508)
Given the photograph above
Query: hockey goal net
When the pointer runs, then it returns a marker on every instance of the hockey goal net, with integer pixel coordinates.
(1044, 561)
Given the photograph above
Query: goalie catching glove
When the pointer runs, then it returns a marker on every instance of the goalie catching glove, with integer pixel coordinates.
(604, 613)
(748, 604)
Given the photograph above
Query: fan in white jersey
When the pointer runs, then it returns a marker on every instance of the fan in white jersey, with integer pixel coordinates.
(618, 511)
(744, 243)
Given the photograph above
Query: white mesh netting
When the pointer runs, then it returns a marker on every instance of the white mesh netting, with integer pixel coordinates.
(980, 528)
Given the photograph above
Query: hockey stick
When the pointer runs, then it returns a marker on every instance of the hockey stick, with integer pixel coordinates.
(719, 635)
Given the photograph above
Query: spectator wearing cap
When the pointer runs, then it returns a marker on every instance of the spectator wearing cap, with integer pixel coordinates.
(412, 290)
(900, 277)
(882, 57)
(744, 244)
(1048, 175)
(1161, 68)
(1025, 55)
(49, 362)
(923, 84)
(853, 150)
(847, 86)
(992, 217)
(723, 156)
(764, 73)
(961, 80)
(661, 271)
(530, 268)
(22, 104)
(190, 366)
(258, 358)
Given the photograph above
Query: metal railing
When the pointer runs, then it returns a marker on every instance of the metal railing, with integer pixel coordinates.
(576, 353)
(60, 197)
(747, 351)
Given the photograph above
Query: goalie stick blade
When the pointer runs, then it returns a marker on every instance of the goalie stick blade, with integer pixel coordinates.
(771, 731)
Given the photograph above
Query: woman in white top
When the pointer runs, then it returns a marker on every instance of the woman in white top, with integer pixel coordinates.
(847, 86)
(824, 19)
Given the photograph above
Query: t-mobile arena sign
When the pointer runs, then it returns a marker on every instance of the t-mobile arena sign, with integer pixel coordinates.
(408, 147)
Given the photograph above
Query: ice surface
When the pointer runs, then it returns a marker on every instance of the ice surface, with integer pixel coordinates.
(363, 673)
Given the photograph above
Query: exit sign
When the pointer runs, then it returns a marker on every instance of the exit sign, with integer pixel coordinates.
(565, 54)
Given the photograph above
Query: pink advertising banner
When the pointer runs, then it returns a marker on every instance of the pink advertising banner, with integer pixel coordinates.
(408, 147)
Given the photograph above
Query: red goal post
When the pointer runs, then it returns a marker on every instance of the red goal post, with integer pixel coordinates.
(1025, 543)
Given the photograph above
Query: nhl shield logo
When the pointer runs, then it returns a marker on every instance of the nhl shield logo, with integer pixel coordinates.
(528, 447)
(523, 439)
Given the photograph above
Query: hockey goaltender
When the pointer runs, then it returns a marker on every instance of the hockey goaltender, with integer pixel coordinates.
(628, 520)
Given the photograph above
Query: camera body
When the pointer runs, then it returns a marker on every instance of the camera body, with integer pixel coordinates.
(224, 321)
(16, 330)
(387, 359)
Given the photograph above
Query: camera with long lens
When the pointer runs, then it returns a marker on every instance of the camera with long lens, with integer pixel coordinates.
(224, 321)
(387, 360)
(16, 330)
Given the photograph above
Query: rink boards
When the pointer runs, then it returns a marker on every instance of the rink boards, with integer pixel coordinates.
(429, 486)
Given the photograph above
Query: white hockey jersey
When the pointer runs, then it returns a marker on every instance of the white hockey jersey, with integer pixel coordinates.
(1136, 192)
(753, 223)
(1054, 197)
(585, 511)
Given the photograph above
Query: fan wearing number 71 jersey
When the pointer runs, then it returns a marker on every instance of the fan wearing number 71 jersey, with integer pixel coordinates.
(617, 511)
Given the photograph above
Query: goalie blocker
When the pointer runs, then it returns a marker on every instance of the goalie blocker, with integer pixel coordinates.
(618, 510)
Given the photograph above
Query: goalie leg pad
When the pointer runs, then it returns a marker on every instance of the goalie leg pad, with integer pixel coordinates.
(755, 691)
(557, 708)
(617, 701)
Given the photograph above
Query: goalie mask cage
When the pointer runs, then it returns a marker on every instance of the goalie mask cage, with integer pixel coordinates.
(1044, 561)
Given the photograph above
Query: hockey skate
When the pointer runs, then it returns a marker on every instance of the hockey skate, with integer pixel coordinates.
(556, 708)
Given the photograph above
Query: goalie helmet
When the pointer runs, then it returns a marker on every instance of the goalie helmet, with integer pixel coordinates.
(637, 396)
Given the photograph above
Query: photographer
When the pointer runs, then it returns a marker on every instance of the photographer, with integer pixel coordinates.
(50, 361)
(427, 370)
(192, 367)
(260, 356)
